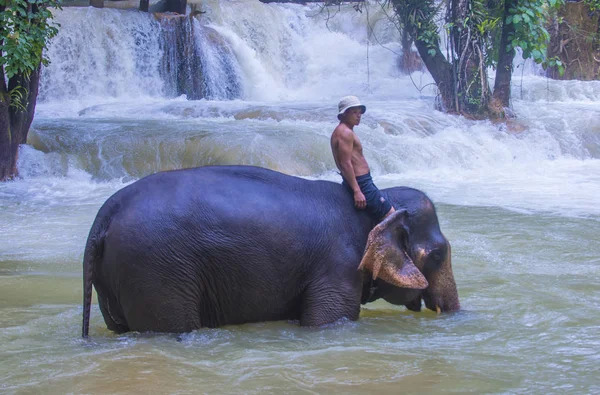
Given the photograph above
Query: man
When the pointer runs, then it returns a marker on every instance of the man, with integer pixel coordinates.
(348, 155)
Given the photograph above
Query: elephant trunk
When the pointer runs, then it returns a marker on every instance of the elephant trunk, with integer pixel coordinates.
(441, 295)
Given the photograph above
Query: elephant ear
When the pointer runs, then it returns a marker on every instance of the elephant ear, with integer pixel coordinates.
(386, 257)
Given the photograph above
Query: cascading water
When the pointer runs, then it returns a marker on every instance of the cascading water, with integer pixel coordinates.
(518, 201)
(102, 54)
(244, 50)
(222, 69)
(197, 62)
(127, 55)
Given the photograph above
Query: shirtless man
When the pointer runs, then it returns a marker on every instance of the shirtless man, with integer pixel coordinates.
(348, 155)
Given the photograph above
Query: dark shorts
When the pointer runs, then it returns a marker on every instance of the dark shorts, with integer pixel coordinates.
(377, 204)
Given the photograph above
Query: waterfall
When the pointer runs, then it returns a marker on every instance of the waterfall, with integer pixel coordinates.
(197, 62)
(102, 53)
(108, 53)
(237, 50)
(247, 50)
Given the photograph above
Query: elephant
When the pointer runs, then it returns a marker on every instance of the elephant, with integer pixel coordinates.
(220, 245)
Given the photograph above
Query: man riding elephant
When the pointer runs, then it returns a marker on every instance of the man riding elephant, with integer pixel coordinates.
(349, 159)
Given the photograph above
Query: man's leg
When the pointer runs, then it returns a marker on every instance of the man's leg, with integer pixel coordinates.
(377, 205)
(388, 213)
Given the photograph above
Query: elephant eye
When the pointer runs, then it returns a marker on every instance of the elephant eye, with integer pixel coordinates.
(436, 257)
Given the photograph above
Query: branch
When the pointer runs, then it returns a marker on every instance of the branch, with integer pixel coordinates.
(462, 55)
(481, 74)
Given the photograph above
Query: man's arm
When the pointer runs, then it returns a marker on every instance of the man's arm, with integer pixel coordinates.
(342, 153)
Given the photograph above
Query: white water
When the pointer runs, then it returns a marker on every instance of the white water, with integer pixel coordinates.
(518, 201)
(293, 69)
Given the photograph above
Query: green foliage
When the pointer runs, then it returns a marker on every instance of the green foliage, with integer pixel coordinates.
(18, 98)
(25, 28)
(556, 62)
(418, 18)
(593, 4)
(529, 32)
(475, 29)
(484, 25)
(486, 28)
(487, 25)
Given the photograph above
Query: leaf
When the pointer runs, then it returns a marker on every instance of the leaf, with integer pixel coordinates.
(24, 32)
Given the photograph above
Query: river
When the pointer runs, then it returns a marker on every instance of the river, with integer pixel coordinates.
(518, 201)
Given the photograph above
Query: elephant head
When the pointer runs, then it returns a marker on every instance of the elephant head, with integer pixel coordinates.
(413, 258)
(386, 256)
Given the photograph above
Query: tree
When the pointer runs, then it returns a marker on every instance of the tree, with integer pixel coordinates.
(25, 28)
(575, 33)
(481, 33)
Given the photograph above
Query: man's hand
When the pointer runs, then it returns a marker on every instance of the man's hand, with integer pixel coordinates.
(359, 200)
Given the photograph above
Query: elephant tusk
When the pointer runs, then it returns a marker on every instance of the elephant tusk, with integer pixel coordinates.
(437, 309)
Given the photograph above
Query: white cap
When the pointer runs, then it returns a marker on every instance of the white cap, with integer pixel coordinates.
(349, 102)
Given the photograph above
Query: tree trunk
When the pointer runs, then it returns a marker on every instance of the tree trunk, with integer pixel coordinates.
(472, 87)
(15, 120)
(410, 60)
(459, 12)
(461, 79)
(97, 3)
(441, 71)
(575, 40)
(20, 121)
(7, 156)
(501, 97)
(144, 5)
(416, 17)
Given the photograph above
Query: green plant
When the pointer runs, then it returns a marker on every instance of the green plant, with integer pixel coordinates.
(25, 28)
(18, 98)
(418, 17)
(529, 34)
(593, 4)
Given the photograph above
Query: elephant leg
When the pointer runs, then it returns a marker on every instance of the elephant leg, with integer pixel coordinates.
(324, 304)
(164, 311)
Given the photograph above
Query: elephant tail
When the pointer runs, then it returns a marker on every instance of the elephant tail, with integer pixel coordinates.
(93, 252)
